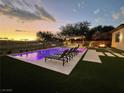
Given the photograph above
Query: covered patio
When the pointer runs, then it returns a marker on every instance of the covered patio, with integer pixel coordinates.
(74, 41)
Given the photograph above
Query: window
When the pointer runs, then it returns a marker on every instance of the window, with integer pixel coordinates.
(117, 37)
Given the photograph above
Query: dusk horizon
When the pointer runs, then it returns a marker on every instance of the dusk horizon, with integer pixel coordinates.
(62, 46)
(23, 19)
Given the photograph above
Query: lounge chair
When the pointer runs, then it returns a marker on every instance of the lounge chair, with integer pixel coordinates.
(69, 53)
(75, 51)
(62, 57)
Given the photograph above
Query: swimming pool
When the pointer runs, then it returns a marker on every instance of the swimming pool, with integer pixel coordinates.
(40, 54)
(37, 58)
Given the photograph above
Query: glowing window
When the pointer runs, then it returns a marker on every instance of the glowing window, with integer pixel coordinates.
(117, 37)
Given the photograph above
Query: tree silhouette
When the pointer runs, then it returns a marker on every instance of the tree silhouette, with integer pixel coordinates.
(46, 36)
(77, 29)
(82, 28)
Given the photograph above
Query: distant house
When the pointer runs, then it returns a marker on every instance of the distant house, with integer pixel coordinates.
(118, 37)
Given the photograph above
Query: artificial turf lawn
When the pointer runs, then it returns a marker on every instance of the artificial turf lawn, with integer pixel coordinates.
(86, 77)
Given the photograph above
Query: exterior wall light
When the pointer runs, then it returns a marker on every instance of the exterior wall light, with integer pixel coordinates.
(121, 36)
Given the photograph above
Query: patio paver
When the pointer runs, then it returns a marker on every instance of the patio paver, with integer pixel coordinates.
(93, 56)
(109, 54)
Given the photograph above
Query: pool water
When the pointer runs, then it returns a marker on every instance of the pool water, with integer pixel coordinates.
(40, 54)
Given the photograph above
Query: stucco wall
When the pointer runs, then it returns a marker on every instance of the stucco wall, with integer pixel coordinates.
(118, 45)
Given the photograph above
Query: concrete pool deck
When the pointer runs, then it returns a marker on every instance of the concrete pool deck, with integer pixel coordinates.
(55, 65)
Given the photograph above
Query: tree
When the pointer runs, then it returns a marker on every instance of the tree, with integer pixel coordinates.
(77, 29)
(102, 29)
(49, 37)
(107, 28)
(46, 36)
(67, 30)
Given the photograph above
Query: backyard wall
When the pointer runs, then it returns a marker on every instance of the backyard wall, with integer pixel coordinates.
(120, 44)
(8, 47)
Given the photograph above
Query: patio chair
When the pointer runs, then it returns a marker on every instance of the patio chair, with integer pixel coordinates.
(68, 54)
(75, 51)
(71, 53)
(62, 57)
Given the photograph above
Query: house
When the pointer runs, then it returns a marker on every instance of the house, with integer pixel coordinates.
(118, 37)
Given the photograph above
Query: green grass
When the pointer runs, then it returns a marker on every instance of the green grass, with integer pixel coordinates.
(87, 77)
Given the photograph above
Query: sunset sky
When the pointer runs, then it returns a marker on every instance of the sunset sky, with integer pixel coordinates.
(21, 19)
